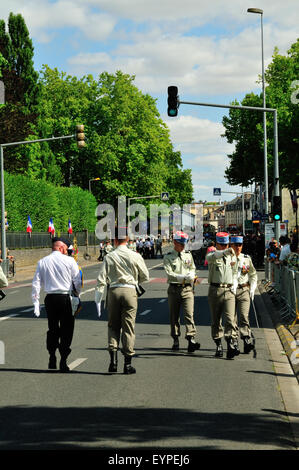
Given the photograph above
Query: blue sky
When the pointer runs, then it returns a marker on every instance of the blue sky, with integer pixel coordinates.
(210, 50)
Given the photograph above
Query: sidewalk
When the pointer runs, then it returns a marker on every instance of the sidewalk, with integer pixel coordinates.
(289, 335)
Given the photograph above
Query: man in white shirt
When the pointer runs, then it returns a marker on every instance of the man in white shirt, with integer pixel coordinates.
(58, 274)
(285, 248)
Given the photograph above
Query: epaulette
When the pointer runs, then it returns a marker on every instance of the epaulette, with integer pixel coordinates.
(246, 256)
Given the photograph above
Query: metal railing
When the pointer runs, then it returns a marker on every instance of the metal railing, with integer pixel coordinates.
(282, 283)
(23, 240)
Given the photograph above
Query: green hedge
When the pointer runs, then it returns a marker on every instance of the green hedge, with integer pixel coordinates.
(41, 200)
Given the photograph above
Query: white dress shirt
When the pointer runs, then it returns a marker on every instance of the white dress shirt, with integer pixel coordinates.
(56, 273)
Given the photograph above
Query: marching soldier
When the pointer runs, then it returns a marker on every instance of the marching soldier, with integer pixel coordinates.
(221, 297)
(247, 282)
(121, 271)
(180, 270)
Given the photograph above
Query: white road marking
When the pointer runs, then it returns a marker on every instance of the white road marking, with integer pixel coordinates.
(27, 310)
(145, 312)
(162, 300)
(76, 363)
(9, 316)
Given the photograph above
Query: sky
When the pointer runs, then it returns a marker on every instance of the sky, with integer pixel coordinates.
(210, 50)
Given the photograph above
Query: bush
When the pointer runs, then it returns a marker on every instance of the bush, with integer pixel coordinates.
(42, 200)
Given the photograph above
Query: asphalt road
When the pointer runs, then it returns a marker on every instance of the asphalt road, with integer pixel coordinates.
(175, 401)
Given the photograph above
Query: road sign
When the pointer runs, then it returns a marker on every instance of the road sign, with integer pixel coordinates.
(256, 215)
(216, 191)
(164, 196)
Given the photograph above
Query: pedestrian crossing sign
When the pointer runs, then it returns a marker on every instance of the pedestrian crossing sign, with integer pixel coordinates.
(217, 192)
(164, 196)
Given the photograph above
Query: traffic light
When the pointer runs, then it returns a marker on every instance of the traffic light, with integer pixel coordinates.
(80, 136)
(173, 103)
(277, 213)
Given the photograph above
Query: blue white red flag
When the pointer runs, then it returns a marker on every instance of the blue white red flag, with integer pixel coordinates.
(51, 228)
(70, 229)
(29, 225)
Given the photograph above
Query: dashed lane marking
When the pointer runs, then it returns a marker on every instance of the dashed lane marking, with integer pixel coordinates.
(145, 312)
(76, 363)
(9, 316)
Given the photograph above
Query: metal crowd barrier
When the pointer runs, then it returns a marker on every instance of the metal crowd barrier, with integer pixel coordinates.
(282, 283)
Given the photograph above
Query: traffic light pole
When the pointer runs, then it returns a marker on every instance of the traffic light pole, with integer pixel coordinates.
(276, 164)
(10, 144)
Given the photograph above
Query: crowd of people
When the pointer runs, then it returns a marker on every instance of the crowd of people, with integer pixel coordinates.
(148, 247)
(284, 252)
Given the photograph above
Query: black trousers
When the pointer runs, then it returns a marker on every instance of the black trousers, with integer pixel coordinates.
(61, 323)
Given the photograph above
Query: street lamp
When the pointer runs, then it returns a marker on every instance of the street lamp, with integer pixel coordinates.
(260, 12)
(93, 179)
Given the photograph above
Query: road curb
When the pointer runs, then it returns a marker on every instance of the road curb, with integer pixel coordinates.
(286, 335)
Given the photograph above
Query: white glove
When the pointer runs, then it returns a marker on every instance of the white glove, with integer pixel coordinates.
(219, 253)
(98, 299)
(36, 309)
(190, 276)
(252, 290)
(98, 306)
(180, 278)
(229, 251)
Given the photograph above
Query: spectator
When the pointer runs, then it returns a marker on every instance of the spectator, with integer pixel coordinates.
(285, 249)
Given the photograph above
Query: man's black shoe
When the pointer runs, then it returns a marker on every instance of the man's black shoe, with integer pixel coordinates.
(193, 346)
(63, 367)
(52, 362)
(176, 345)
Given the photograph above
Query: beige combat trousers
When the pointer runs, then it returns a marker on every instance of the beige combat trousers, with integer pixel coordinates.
(222, 303)
(122, 307)
(243, 307)
(179, 296)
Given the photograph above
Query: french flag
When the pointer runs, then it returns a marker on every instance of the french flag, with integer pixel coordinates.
(70, 229)
(51, 228)
(29, 225)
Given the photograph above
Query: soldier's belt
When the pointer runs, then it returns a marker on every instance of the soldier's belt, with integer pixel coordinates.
(180, 285)
(243, 285)
(214, 284)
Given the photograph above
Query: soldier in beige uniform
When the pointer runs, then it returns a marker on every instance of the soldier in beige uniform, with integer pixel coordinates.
(180, 270)
(223, 284)
(247, 282)
(122, 270)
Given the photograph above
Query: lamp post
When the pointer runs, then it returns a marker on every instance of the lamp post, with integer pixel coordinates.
(93, 179)
(266, 200)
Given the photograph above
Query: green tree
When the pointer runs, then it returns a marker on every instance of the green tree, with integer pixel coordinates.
(21, 90)
(244, 128)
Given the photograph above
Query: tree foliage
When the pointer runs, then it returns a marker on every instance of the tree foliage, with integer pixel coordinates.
(245, 128)
(128, 144)
(19, 114)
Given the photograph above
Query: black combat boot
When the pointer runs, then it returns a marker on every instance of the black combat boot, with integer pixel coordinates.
(113, 361)
(248, 344)
(219, 348)
(128, 369)
(176, 344)
(192, 345)
(232, 348)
